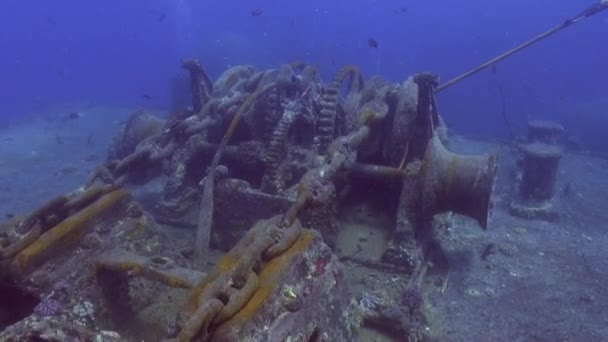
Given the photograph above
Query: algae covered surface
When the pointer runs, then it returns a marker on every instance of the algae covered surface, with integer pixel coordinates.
(519, 280)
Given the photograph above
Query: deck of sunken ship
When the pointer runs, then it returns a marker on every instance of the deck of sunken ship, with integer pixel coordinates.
(225, 222)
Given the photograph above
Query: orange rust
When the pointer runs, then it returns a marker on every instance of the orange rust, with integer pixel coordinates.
(268, 280)
(66, 233)
(191, 305)
(227, 262)
(366, 116)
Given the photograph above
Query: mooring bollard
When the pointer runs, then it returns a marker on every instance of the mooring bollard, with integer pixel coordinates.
(540, 166)
(546, 132)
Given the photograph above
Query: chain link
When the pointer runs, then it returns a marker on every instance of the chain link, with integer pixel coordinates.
(162, 145)
(106, 178)
(221, 296)
(223, 293)
(148, 152)
(49, 215)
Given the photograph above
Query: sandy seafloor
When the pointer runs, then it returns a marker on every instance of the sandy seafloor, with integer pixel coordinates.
(545, 282)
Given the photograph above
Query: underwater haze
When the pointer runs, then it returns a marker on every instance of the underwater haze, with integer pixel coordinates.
(114, 53)
(264, 170)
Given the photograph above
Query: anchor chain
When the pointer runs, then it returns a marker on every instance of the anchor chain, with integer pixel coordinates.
(148, 152)
(49, 215)
(151, 151)
(224, 292)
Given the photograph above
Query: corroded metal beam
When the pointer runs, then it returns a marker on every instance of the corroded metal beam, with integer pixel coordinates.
(377, 172)
(159, 269)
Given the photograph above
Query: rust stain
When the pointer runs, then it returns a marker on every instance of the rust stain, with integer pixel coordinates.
(66, 233)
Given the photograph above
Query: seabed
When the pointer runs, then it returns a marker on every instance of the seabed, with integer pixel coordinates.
(519, 280)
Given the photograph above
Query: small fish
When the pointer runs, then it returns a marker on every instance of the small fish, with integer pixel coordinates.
(58, 140)
(162, 17)
(146, 96)
(51, 21)
(9, 215)
(562, 97)
(372, 43)
(256, 12)
(401, 10)
(74, 115)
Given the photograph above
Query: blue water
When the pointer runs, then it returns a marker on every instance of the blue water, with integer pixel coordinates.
(108, 58)
(114, 52)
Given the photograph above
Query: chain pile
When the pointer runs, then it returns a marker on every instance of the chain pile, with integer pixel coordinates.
(224, 292)
(148, 152)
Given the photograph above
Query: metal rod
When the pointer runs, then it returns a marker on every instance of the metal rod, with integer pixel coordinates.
(584, 14)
